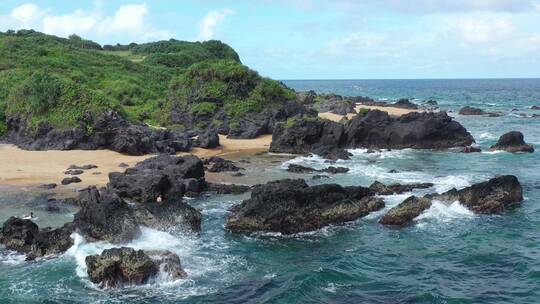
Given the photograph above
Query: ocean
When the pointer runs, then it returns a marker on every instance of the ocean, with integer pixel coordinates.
(449, 255)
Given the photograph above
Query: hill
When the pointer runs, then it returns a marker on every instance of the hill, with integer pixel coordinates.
(63, 83)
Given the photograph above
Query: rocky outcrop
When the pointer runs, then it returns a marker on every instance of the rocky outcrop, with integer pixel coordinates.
(70, 180)
(24, 236)
(104, 216)
(471, 149)
(157, 185)
(513, 142)
(406, 211)
(378, 130)
(471, 111)
(83, 167)
(118, 267)
(291, 206)
(227, 188)
(322, 137)
(108, 131)
(74, 172)
(374, 129)
(218, 164)
(495, 196)
(294, 168)
(405, 103)
(207, 140)
(397, 188)
(334, 104)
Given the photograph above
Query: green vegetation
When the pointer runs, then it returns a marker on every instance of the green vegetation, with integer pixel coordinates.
(291, 121)
(56, 80)
(363, 111)
(203, 109)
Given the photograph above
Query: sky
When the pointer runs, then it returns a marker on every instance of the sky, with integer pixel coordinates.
(316, 39)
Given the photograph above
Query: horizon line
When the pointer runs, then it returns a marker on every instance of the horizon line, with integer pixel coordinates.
(354, 79)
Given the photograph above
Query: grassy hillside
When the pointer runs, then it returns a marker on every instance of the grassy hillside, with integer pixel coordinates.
(57, 80)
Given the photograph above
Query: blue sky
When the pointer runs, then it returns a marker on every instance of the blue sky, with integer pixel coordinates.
(317, 39)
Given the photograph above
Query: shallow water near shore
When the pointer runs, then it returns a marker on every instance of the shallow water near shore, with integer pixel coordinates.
(449, 255)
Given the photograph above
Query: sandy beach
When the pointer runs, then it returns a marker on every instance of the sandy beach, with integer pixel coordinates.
(28, 168)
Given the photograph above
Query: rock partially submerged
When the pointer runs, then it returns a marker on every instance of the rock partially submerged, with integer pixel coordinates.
(157, 186)
(218, 164)
(294, 168)
(291, 206)
(405, 103)
(373, 130)
(104, 216)
(513, 142)
(406, 211)
(397, 188)
(467, 110)
(118, 267)
(24, 236)
(495, 196)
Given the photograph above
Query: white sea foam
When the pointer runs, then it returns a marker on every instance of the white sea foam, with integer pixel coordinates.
(11, 257)
(193, 252)
(445, 183)
(443, 212)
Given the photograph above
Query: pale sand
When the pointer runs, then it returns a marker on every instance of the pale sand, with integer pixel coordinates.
(391, 110)
(28, 168)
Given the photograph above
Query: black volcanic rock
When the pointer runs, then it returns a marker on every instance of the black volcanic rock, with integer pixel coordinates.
(103, 216)
(322, 137)
(378, 130)
(373, 130)
(25, 237)
(397, 188)
(291, 206)
(405, 103)
(495, 196)
(207, 140)
(218, 164)
(471, 111)
(471, 149)
(294, 168)
(406, 211)
(109, 131)
(70, 180)
(513, 142)
(118, 267)
(157, 185)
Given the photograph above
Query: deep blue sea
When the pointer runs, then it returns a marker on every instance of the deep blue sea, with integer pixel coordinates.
(449, 255)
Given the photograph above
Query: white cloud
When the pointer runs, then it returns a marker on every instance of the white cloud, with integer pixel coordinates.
(474, 30)
(129, 21)
(209, 23)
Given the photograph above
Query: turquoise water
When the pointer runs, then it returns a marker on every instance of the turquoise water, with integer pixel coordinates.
(449, 255)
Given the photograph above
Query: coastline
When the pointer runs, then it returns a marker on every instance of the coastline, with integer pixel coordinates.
(33, 168)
